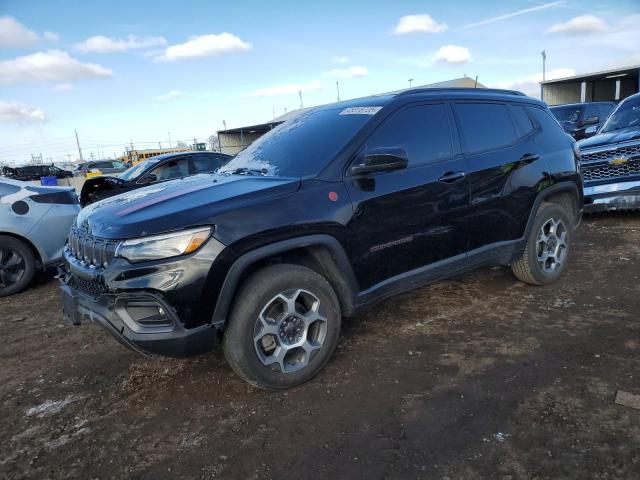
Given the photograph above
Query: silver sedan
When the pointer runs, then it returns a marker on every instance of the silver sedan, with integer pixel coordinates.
(34, 225)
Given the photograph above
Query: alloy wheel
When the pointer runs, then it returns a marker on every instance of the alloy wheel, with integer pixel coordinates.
(551, 245)
(289, 330)
(12, 267)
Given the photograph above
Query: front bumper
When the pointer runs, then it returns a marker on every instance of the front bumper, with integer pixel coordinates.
(612, 196)
(110, 311)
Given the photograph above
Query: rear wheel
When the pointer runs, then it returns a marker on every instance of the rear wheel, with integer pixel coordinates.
(283, 328)
(548, 247)
(17, 265)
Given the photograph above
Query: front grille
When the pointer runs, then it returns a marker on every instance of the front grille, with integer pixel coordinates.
(91, 250)
(602, 172)
(606, 155)
(92, 287)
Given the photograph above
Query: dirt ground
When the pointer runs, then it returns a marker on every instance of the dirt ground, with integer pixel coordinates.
(477, 377)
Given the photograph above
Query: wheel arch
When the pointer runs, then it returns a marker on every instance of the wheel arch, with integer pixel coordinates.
(565, 194)
(322, 253)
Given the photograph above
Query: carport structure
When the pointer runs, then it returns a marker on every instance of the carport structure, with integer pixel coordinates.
(607, 85)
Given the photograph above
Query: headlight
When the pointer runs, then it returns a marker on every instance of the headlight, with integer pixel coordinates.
(163, 246)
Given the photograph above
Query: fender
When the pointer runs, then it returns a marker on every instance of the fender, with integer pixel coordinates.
(346, 290)
(560, 187)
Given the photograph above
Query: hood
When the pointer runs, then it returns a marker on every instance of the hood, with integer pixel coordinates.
(178, 204)
(617, 136)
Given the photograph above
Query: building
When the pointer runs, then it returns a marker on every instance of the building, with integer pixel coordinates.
(234, 140)
(607, 85)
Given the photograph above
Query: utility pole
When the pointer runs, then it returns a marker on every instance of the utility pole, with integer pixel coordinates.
(69, 157)
(169, 139)
(132, 144)
(224, 123)
(410, 81)
(273, 111)
(160, 145)
(544, 73)
(79, 149)
(300, 93)
(338, 90)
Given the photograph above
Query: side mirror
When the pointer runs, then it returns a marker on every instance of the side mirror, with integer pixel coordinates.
(380, 160)
(591, 120)
(590, 131)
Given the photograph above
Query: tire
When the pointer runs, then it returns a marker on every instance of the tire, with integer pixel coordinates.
(263, 309)
(17, 265)
(543, 261)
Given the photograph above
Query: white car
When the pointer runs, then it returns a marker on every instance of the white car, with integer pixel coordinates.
(34, 225)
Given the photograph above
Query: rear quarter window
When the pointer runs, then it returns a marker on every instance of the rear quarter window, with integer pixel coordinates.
(550, 127)
(484, 126)
(524, 125)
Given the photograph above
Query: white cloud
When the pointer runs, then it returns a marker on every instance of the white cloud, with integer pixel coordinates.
(349, 72)
(580, 25)
(204, 46)
(102, 44)
(14, 34)
(544, 6)
(286, 89)
(51, 36)
(169, 95)
(423, 23)
(13, 112)
(49, 66)
(452, 54)
(62, 87)
(530, 84)
(339, 59)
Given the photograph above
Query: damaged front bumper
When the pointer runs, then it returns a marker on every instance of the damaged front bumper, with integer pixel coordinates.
(143, 322)
(612, 196)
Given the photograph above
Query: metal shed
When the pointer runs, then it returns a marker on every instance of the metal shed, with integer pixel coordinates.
(607, 85)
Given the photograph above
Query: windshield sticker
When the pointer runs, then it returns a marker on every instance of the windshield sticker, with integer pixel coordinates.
(360, 111)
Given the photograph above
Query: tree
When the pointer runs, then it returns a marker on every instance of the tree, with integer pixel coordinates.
(181, 144)
(214, 143)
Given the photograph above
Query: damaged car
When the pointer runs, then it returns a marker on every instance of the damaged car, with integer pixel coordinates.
(34, 224)
(611, 161)
(152, 171)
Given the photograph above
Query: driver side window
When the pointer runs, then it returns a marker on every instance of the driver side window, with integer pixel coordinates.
(176, 168)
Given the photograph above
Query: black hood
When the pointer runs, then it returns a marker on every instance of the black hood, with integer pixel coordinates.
(608, 138)
(178, 204)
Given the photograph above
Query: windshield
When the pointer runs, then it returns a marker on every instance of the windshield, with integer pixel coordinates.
(135, 171)
(625, 116)
(566, 114)
(301, 146)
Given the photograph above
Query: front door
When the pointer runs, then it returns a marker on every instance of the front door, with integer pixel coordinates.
(409, 219)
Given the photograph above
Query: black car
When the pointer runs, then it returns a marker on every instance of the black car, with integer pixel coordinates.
(611, 161)
(35, 172)
(152, 171)
(101, 167)
(581, 120)
(336, 209)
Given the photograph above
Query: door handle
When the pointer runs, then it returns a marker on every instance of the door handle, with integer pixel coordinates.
(451, 177)
(529, 157)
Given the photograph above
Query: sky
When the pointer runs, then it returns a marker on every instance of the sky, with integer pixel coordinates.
(147, 72)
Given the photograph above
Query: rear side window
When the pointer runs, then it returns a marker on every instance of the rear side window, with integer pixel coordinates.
(523, 122)
(484, 126)
(423, 131)
(206, 163)
(550, 126)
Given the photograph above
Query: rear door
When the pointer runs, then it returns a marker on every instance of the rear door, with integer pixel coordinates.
(505, 169)
(415, 217)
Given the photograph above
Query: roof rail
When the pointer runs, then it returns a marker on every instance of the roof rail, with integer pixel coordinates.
(454, 89)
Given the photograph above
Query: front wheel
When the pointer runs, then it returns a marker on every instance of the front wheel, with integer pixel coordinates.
(283, 328)
(548, 246)
(17, 265)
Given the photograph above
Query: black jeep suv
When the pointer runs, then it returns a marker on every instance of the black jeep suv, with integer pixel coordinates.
(611, 161)
(331, 211)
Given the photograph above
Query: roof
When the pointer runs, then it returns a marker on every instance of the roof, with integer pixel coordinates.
(623, 71)
(463, 83)
(580, 104)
